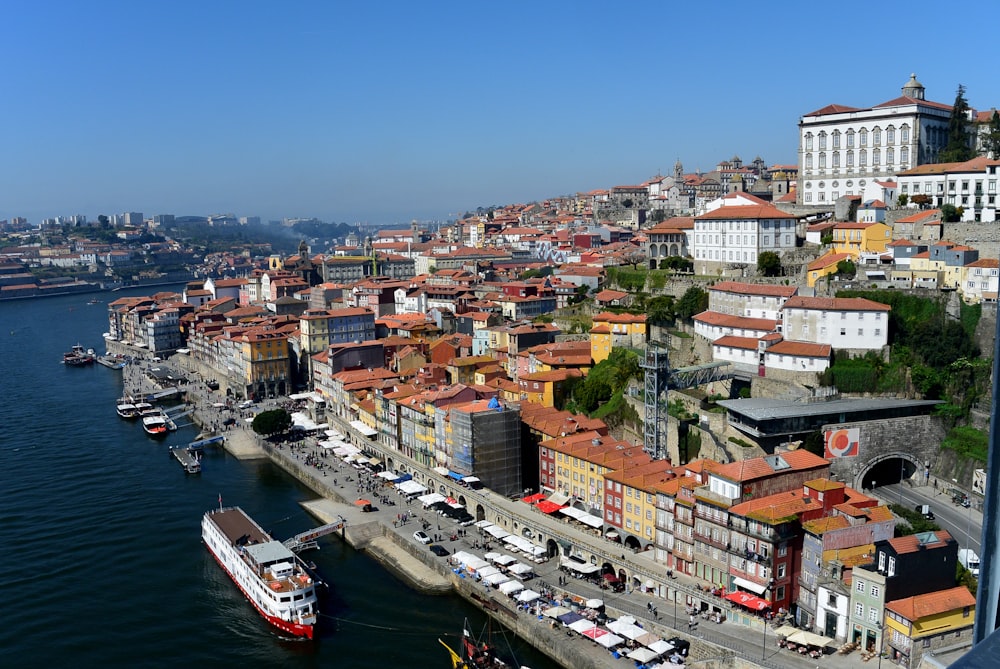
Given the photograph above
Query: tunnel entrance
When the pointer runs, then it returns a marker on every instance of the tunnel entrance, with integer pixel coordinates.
(887, 471)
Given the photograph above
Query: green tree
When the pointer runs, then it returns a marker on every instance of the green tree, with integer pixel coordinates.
(769, 263)
(271, 422)
(693, 301)
(660, 310)
(658, 216)
(991, 142)
(902, 200)
(846, 268)
(959, 146)
(950, 213)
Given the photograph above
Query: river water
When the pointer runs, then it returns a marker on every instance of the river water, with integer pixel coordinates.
(99, 527)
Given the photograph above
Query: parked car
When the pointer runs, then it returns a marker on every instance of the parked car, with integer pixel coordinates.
(422, 537)
(439, 550)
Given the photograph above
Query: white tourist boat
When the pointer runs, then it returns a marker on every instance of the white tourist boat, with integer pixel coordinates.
(271, 576)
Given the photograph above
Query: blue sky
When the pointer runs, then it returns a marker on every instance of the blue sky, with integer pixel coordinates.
(387, 111)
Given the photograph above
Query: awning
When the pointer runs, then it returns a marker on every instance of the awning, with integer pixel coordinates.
(456, 476)
(579, 567)
(431, 498)
(470, 479)
(496, 579)
(661, 647)
(750, 601)
(533, 499)
(363, 429)
(609, 640)
(374, 461)
(749, 585)
(511, 587)
(559, 498)
(441, 470)
(411, 488)
(804, 638)
(582, 626)
(555, 611)
(569, 618)
(545, 506)
(497, 532)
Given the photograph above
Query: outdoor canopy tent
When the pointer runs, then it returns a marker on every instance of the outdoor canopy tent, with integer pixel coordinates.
(609, 640)
(430, 498)
(505, 559)
(496, 579)
(804, 638)
(642, 655)
(569, 618)
(411, 488)
(488, 570)
(511, 587)
(527, 596)
(555, 611)
(661, 647)
(497, 532)
(579, 567)
(519, 568)
(582, 625)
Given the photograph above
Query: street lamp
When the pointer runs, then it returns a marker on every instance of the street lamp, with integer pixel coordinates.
(763, 648)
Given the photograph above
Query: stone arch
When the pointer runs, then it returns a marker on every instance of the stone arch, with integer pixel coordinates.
(480, 513)
(632, 543)
(461, 500)
(552, 548)
(882, 469)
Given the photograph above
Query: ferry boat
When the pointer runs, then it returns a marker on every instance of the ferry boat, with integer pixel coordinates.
(155, 424)
(78, 356)
(270, 575)
(126, 409)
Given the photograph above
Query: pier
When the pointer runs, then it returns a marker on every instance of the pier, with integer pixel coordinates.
(187, 457)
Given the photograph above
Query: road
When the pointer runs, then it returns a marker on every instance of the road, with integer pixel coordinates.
(966, 525)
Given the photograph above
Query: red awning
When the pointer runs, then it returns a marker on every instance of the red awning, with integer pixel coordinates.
(545, 506)
(532, 499)
(362, 502)
(750, 601)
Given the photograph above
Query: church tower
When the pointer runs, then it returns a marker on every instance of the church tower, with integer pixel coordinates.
(678, 172)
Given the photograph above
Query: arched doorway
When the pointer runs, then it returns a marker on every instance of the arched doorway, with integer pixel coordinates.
(632, 543)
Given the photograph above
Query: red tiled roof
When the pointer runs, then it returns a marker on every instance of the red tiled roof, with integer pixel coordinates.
(741, 322)
(800, 349)
(835, 304)
(755, 212)
(933, 603)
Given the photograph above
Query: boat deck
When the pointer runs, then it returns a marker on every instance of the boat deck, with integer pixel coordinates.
(235, 525)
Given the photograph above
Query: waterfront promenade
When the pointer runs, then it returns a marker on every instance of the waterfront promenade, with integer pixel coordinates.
(389, 540)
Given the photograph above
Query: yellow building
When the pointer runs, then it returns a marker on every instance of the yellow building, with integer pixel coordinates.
(824, 266)
(858, 238)
(548, 388)
(633, 491)
(616, 330)
(915, 625)
(265, 361)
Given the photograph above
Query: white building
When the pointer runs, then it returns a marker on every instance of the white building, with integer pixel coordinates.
(711, 325)
(753, 300)
(980, 282)
(736, 235)
(832, 612)
(842, 322)
(843, 149)
(971, 185)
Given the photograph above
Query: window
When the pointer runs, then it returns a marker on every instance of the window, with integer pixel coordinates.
(875, 590)
(859, 610)
(861, 332)
(859, 586)
(892, 566)
(843, 332)
(832, 601)
(872, 614)
(781, 570)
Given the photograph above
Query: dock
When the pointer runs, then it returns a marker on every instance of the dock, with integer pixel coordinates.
(187, 457)
(307, 540)
(111, 362)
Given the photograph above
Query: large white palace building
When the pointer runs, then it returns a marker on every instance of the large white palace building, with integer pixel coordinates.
(841, 149)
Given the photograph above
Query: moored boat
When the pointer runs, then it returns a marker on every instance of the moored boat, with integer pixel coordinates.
(155, 424)
(126, 409)
(475, 653)
(274, 580)
(78, 356)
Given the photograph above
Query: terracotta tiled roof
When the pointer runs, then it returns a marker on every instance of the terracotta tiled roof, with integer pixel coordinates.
(911, 543)
(752, 212)
(827, 260)
(933, 603)
(741, 322)
(800, 349)
(748, 343)
(835, 304)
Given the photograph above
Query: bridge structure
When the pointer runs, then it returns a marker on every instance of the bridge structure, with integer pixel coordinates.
(659, 377)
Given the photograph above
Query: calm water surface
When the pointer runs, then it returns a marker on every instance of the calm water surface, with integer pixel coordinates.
(103, 561)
